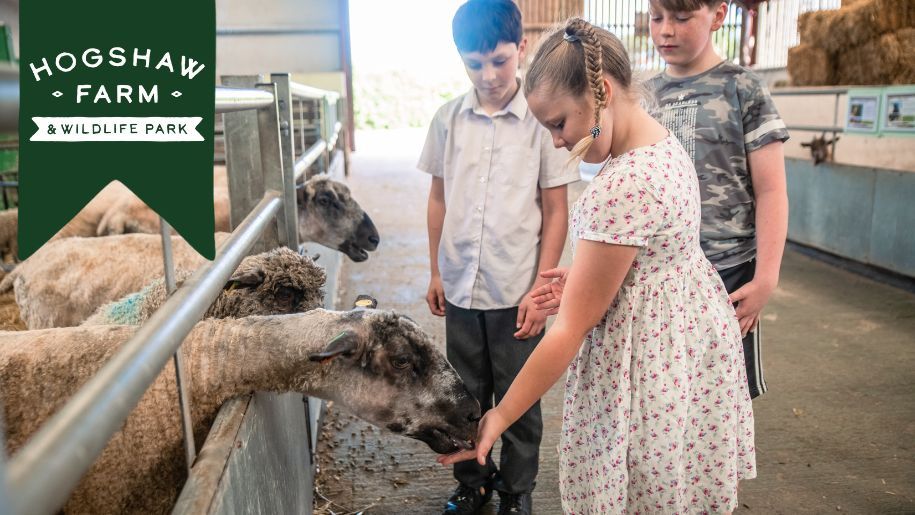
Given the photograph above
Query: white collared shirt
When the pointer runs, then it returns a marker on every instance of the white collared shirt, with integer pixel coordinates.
(493, 168)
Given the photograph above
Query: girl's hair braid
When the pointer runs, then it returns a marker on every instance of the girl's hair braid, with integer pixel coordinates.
(584, 31)
(574, 59)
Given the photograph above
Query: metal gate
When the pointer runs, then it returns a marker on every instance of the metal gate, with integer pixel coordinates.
(776, 30)
(628, 20)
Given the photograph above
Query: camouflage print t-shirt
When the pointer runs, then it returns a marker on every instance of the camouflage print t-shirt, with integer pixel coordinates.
(720, 116)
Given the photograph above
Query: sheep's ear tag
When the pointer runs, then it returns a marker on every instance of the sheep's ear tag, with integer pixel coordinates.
(344, 344)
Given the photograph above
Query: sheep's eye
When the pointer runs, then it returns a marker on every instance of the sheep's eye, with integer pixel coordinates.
(285, 294)
(401, 363)
(323, 200)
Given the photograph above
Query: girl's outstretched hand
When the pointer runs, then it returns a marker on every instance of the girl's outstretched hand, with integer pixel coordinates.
(492, 425)
(548, 296)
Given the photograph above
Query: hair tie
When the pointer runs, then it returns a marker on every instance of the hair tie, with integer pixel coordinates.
(571, 38)
(595, 131)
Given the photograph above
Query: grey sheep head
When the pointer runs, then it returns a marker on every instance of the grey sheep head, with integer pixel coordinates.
(397, 379)
(329, 215)
(276, 282)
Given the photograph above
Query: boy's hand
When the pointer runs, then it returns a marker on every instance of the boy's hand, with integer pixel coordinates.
(492, 425)
(435, 297)
(531, 320)
(548, 296)
(751, 298)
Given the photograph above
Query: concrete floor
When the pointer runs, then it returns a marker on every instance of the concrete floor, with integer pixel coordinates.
(835, 433)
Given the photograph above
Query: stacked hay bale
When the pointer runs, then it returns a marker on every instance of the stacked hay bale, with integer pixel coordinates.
(864, 42)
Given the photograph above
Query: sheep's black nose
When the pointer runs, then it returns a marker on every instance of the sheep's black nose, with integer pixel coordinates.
(374, 240)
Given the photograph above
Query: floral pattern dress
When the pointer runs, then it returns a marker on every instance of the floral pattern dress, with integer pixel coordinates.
(657, 415)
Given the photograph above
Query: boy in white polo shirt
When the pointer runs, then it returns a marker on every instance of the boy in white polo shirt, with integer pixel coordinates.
(497, 216)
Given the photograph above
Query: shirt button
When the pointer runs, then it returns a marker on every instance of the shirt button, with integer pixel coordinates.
(482, 179)
(486, 149)
(479, 209)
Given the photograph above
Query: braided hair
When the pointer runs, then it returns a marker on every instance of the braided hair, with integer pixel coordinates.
(574, 59)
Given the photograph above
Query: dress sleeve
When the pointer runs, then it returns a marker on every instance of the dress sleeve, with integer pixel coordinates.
(621, 209)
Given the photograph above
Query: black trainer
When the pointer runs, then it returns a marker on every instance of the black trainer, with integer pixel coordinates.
(510, 504)
(467, 500)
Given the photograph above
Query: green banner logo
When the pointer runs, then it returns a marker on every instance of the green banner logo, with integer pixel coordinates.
(116, 91)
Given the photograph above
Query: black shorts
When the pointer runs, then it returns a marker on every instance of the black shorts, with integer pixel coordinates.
(734, 278)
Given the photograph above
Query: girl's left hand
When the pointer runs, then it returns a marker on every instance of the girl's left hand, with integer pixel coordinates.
(492, 425)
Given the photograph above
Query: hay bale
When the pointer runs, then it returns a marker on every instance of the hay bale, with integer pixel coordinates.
(851, 27)
(893, 15)
(846, 3)
(810, 66)
(815, 27)
(898, 52)
(887, 59)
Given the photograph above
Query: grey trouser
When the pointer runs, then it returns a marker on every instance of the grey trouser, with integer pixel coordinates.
(483, 351)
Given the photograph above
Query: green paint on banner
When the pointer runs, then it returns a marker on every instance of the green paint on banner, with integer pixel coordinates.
(113, 91)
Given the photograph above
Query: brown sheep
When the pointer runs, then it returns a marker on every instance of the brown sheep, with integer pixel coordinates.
(277, 282)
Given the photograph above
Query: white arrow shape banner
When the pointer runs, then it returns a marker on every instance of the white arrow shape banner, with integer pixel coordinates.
(117, 128)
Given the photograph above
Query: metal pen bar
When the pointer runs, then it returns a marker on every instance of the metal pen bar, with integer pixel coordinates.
(809, 91)
(335, 133)
(815, 128)
(46, 470)
(286, 182)
(238, 99)
(303, 91)
(308, 158)
(184, 397)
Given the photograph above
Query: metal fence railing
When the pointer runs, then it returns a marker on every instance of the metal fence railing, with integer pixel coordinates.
(835, 128)
(42, 474)
(629, 20)
(777, 31)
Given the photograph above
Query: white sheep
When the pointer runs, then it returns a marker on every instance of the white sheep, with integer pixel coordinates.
(380, 366)
(326, 212)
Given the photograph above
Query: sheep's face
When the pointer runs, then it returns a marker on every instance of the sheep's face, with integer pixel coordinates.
(328, 215)
(277, 282)
(397, 379)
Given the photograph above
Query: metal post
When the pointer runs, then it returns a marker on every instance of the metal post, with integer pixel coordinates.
(302, 124)
(325, 132)
(243, 155)
(288, 219)
(184, 396)
(835, 123)
(268, 134)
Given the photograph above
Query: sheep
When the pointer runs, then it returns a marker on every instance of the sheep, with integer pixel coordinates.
(271, 283)
(66, 280)
(380, 366)
(819, 148)
(327, 214)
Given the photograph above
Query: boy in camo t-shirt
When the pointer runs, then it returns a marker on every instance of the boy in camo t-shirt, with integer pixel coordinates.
(724, 117)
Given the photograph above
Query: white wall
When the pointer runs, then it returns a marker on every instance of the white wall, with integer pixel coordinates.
(892, 152)
(295, 36)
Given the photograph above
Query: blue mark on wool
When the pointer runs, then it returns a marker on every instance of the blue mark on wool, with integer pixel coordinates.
(127, 310)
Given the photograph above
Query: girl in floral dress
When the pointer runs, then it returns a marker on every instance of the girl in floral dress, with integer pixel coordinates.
(657, 415)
